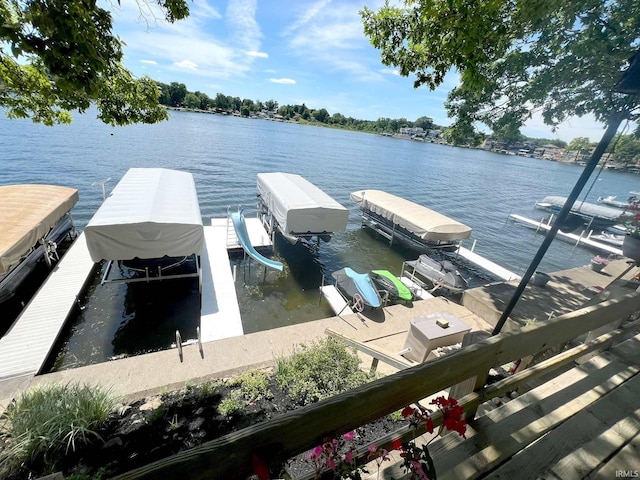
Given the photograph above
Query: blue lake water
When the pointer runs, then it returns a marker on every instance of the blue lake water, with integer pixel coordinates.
(225, 154)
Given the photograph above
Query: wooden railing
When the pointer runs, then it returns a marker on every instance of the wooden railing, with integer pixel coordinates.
(300, 430)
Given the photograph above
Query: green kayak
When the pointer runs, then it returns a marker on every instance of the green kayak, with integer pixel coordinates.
(386, 280)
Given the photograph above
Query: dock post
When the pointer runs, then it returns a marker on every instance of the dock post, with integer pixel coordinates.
(179, 344)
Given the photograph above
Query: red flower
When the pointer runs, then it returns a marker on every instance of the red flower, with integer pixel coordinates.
(259, 467)
(397, 445)
(407, 412)
(429, 425)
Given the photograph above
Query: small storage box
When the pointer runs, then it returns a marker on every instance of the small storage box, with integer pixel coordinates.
(425, 334)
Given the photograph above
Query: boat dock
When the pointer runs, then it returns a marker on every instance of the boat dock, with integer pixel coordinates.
(26, 346)
(501, 272)
(382, 329)
(578, 240)
(220, 314)
(337, 302)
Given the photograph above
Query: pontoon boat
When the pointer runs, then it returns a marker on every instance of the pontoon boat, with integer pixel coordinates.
(34, 220)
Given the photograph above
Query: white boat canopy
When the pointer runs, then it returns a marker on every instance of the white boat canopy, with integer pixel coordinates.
(151, 213)
(299, 207)
(584, 208)
(420, 221)
(27, 213)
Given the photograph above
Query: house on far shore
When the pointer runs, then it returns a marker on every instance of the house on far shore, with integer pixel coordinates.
(549, 152)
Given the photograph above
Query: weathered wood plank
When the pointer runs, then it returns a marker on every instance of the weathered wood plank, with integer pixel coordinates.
(536, 338)
(625, 460)
(627, 352)
(578, 446)
(507, 430)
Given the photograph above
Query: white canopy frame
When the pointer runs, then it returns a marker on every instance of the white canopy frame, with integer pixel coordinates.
(298, 208)
(152, 213)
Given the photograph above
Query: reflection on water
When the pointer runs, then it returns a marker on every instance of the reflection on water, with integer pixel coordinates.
(124, 319)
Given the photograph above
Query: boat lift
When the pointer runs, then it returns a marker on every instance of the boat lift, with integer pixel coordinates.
(582, 240)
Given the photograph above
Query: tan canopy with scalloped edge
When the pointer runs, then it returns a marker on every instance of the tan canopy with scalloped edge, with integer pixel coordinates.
(420, 221)
(27, 213)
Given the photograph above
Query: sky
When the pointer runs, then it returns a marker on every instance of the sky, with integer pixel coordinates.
(303, 51)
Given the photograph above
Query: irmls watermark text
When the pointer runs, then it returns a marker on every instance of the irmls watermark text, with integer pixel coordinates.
(627, 473)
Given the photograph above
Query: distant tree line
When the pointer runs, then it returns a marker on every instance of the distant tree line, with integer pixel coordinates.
(176, 95)
(624, 149)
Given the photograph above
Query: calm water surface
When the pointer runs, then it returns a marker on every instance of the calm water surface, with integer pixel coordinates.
(225, 154)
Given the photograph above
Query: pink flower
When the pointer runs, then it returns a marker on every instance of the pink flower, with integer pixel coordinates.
(349, 436)
(372, 448)
(315, 453)
(348, 457)
(331, 464)
(416, 467)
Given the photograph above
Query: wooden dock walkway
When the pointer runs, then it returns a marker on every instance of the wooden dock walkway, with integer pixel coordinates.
(220, 313)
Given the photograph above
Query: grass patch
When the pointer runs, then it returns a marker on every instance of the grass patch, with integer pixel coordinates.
(48, 422)
(232, 404)
(319, 370)
(254, 385)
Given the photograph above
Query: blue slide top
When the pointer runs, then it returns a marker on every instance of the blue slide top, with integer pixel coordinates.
(243, 238)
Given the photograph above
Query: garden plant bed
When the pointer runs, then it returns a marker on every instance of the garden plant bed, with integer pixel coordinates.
(157, 427)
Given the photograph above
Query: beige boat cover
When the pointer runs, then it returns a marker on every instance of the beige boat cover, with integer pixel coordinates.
(152, 212)
(27, 213)
(420, 221)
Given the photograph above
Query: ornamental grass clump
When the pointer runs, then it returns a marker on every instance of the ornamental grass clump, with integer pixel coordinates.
(49, 422)
(319, 370)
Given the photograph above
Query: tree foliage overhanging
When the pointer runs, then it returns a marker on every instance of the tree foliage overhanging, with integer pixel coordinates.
(57, 56)
(513, 57)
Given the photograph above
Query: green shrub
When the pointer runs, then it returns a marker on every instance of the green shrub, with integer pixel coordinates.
(48, 422)
(319, 370)
(254, 384)
(231, 404)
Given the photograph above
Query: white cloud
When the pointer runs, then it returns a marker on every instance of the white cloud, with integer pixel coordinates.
(284, 81)
(389, 71)
(331, 35)
(241, 17)
(186, 65)
(253, 53)
(307, 15)
(149, 62)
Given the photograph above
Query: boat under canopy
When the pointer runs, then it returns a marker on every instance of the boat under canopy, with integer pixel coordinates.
(151, 213)
(297, 207)
(601, 214)
(27, 215)
(427, 227)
